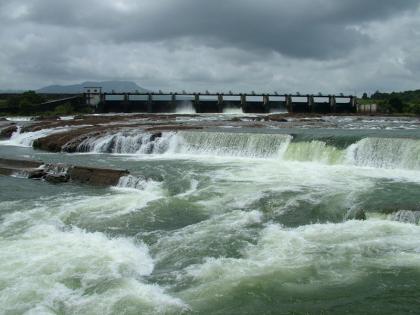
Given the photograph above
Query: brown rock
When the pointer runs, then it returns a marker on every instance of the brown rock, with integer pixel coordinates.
(20, 163)
(6, 171)
(69, 139)
(56, 178)
(7, 132)
(278, 118)
(36, 173)
(96, 176)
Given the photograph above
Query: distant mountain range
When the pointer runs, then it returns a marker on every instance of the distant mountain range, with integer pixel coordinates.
(107, 87)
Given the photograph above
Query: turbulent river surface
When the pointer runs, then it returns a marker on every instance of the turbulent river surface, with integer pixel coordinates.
(219, 221)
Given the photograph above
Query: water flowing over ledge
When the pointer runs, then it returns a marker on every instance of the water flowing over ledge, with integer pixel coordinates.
(368, 152)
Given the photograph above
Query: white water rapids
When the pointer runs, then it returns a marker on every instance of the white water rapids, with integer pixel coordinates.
(215, 223)
(367, 152)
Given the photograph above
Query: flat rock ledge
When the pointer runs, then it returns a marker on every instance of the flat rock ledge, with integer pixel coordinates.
(61, 173)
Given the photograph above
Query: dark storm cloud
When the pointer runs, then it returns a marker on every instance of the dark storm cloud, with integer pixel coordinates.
(266, 45)
(319, 29)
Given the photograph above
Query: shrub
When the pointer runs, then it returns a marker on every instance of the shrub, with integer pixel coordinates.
(64, 109)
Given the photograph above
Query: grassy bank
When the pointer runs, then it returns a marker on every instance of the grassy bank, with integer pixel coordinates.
(32, 104)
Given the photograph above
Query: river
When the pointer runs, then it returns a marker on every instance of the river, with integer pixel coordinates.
(220, 221)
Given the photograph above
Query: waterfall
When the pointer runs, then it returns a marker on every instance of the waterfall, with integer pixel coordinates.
(233, 110)
(233, 144)
(385, 153)
(186, 107)
(131, 181)
(127, 143)
(313, 151)
(26, 139)
(368, 152)
(407, 216)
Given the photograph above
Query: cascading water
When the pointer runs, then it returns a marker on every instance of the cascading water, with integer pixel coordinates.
(313, 151)
(131, 181)
(126, 143)
(233, 110)
(407, 216)
(233, 144)
(26, 139)
(385, 153)
(185, 107)
(368, 152)
(201, 143)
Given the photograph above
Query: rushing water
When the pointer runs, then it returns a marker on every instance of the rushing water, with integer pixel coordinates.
(217, 223)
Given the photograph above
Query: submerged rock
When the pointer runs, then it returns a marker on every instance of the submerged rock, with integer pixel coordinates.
(277, 117)
(20, 163)
(356, 214)
(56, 178)
(96, 176)
(38, 173)
(156, 135)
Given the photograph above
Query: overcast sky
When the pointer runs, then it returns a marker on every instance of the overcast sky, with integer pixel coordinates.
(309, 46)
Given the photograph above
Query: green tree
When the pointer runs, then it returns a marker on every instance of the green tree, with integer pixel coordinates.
(64, 109)
(25, 106)
(396, 104)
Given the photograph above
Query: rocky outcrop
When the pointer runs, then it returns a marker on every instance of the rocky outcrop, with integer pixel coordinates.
(96, 176)
(66, 141)
(277, 117)
(10, 167)
(356, 214)
(61, 173)
(20, 163)
(7, 132)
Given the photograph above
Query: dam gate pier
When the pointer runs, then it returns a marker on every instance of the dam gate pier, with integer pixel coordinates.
(218, 102)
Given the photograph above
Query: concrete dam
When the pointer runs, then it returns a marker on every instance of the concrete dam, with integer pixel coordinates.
(218, 102)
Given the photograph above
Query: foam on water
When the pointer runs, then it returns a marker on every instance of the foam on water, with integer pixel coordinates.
(51, 270)
(20, 118)
(313, 151)
(183, 246)
(312, 257)
(233, 110)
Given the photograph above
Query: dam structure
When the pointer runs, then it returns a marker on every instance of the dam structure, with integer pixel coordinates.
(172, 102)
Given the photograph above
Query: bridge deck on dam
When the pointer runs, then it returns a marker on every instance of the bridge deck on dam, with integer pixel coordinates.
(219, 103)
(204, 102)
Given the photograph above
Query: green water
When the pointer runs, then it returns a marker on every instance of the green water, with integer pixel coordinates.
(255, 225)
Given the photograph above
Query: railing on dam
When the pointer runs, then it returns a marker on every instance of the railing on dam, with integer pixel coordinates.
(221, 102)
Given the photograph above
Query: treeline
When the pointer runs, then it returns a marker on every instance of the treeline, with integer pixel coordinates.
(395, 102)
(31, 103)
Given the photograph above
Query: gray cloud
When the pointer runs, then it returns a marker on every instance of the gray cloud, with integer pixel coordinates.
(319, 29)
(269, 44)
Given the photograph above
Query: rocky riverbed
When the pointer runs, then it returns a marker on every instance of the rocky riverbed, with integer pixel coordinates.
(68, 134)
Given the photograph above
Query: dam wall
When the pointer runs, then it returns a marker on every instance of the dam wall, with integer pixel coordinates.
(223, 103)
